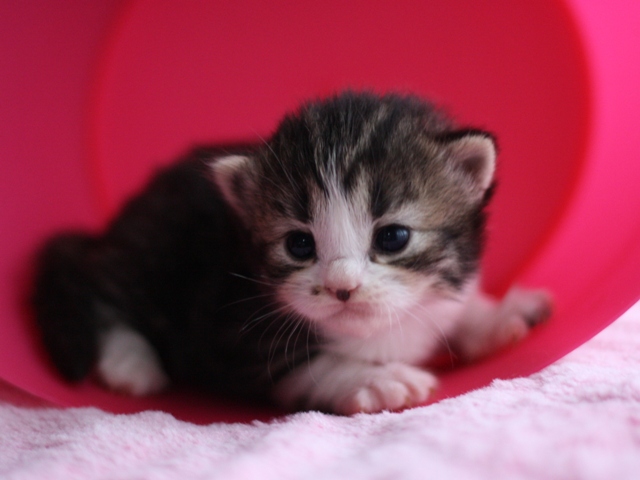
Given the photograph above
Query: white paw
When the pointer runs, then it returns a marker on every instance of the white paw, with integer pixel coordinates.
(129, 364)
(393, 386)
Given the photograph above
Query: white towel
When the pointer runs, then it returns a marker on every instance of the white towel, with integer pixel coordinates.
(577, 419)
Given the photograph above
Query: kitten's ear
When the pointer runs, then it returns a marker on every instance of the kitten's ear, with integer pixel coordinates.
(473, 153)
(232, 176)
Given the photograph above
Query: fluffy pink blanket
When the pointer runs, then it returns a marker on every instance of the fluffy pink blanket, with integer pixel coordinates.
(578, 419)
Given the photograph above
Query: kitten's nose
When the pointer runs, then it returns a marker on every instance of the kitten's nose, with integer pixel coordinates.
(342, 294)
(342, 278)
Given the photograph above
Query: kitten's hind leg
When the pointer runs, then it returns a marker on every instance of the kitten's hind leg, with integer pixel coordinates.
(63, 303)
(128, 363)
(488, 326)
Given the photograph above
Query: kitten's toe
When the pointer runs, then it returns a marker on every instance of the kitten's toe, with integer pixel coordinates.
(391, 387)
(364, 400)
(520, 311)
(534, 306)
(512, 330)
(382, 395)
(129, 365)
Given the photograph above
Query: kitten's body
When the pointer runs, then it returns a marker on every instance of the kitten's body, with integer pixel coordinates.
(174, 259)
(320, 269)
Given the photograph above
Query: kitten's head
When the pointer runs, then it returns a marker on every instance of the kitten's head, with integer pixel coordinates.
(363, 207)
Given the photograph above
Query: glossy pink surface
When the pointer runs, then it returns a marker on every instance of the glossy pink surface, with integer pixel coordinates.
(93, 98)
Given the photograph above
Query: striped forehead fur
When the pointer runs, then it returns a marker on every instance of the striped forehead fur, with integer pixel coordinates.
(387, 145)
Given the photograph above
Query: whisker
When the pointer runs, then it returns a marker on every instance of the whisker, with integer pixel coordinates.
(301, 325)
(275, 338)
(397, 318)
(296, 323)
(444, 340)
(261, 282)
(289, 322)
(247, 299)
(251, 322)
(282, 322)
(252, 318)
(389, 316)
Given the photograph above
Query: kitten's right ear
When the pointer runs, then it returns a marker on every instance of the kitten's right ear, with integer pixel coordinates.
(232, 176)
(472, 156)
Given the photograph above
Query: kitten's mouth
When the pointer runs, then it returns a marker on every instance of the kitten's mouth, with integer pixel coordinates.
(358, 308)
(352, 311)
(357, 320)
(351, 317)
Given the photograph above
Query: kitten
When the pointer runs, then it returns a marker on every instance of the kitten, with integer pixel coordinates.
(318, 270)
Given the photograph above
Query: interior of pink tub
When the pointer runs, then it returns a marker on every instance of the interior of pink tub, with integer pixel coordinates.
(98, 96)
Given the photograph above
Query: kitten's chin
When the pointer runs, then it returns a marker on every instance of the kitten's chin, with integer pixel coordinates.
(351, 320)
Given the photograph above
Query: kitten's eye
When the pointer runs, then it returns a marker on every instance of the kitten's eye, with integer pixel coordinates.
(301, 245)
(392, 238)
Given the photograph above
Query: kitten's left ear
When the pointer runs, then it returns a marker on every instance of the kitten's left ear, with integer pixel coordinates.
(232, 176)
(473, 153)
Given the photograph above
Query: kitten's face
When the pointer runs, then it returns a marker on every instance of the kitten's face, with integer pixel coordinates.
(365, 209)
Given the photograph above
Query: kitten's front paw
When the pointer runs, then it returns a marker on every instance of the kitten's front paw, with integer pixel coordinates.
(533, 306)
(489, 326)
(521, 310)
(128, 364)
(392, 386)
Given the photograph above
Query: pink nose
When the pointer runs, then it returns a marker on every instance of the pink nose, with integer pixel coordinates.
(342, 278)
(342, 292)
(343, 295)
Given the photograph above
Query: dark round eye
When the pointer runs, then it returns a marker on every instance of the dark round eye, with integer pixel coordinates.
(301, 245)
(392, 238)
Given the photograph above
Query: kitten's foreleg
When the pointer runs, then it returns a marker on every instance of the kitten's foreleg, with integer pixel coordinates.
(487, 325)
(129, 364)
(347, 386)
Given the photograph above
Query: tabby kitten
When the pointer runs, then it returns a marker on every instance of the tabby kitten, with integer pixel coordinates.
(318, 270)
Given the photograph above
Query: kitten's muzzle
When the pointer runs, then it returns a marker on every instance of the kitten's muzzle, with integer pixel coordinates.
(342, 278)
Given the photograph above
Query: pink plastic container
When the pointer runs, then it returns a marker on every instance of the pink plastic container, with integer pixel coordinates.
(94, 96)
